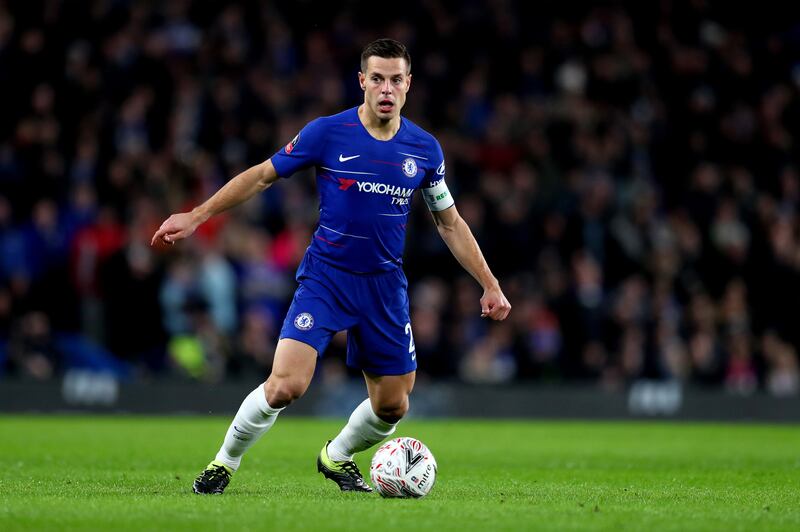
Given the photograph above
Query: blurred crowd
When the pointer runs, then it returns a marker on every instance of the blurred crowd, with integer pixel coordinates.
(630, 171)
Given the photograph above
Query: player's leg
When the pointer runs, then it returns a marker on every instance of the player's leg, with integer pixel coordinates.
(381, 345)
(371, 422)
(292, 370)
(313, 318)
(376, 417)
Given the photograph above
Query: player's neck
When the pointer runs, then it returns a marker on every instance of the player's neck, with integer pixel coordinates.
(377, 128)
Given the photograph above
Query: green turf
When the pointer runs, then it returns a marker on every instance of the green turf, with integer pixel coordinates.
(134, 473)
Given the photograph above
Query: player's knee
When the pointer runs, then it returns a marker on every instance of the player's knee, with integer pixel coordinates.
(392, 411)
(282, 392)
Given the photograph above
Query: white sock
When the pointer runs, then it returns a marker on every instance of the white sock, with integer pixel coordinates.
(363, 430)
(254, 418)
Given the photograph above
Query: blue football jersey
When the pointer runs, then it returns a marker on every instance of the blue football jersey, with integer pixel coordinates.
(365, 187)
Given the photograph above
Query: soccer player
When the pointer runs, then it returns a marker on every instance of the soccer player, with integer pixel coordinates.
(369, 161)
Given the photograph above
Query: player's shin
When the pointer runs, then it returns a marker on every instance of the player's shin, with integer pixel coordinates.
(363, 430)
(254, 418)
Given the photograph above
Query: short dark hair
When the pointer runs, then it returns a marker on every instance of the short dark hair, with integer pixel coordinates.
(386, 48)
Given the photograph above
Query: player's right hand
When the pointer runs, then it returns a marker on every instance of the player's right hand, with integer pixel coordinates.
(176, 227)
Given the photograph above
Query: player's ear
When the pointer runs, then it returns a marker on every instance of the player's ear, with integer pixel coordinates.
(362, 81)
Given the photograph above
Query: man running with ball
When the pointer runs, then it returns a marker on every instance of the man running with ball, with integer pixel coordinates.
(369, 161)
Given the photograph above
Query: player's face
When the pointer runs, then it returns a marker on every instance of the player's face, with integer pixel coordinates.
(385, 84)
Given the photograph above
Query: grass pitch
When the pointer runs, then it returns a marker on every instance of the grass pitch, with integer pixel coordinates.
(135, 473)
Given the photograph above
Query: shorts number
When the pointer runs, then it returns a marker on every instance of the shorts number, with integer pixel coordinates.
(411, 347)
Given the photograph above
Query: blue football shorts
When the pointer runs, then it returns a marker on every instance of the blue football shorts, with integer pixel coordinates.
(373, 309)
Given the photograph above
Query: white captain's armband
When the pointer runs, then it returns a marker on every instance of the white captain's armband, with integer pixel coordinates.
(438, 197)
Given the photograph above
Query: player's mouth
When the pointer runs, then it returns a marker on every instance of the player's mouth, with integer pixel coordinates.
(385, 106)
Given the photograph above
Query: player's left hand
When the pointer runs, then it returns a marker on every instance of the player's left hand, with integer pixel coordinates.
(494, 304)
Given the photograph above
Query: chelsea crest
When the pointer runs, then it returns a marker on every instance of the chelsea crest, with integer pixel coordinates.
(410, 167)
(304, 321)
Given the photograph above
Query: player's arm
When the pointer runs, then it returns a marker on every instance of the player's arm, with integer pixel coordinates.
(458, 237)
(239, 189)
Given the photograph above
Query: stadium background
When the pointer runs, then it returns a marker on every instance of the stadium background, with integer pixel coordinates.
(629, 170)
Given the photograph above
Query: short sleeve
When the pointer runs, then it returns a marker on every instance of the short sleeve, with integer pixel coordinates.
(434, 189)
(435, 171)
(303, 151)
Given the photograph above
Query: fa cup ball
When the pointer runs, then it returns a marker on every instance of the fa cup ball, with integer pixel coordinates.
(403, 467)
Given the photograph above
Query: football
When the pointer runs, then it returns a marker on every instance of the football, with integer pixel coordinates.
(403, 467)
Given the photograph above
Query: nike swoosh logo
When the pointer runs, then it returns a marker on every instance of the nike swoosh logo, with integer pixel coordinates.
(414, 356)
(343, 159)
(237, 430)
